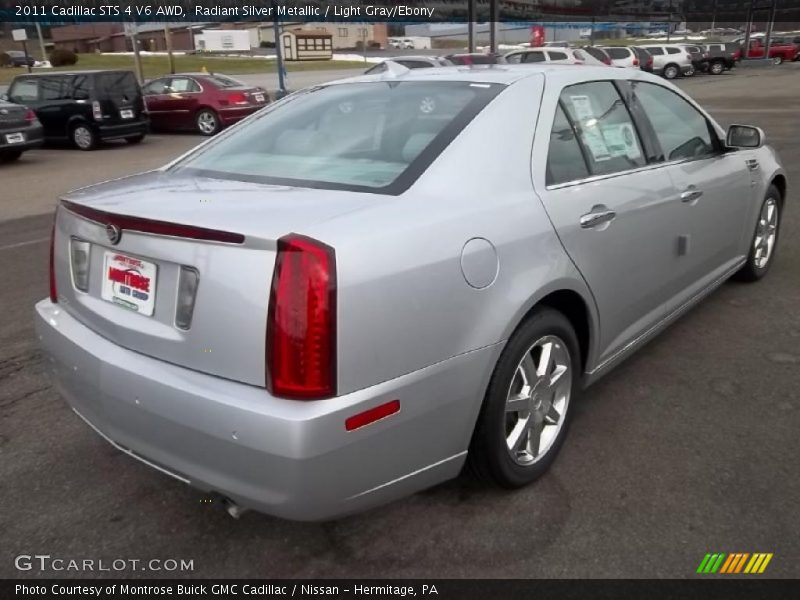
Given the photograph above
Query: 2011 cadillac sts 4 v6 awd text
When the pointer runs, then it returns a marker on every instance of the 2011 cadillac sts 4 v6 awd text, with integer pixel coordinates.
(358, 289)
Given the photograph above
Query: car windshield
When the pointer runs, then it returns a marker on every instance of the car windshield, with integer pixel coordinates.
(371, 136)
(223, 81)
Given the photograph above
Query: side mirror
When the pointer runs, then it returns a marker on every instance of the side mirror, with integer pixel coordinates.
(744, 136)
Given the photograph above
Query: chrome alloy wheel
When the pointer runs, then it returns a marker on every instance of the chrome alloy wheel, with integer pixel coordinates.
(82, 137)
(207, 122)
(537, 400)
(766, 232)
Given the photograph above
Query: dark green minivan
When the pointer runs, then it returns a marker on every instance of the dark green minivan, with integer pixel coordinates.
(84, 107)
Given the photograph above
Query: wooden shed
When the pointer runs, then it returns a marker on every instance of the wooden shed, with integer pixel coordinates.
(300, 44)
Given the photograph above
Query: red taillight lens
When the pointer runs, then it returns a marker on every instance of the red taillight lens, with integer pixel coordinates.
(607, 60)
(30, 116)
(301, 325)
(53, 288)
(237, 98)
(635, 62)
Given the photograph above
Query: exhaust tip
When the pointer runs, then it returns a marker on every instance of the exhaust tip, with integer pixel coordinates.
(233, 509)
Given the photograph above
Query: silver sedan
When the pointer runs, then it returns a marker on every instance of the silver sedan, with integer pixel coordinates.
(368, 285)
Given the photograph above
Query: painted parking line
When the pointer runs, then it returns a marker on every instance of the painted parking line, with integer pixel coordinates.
(28, 243)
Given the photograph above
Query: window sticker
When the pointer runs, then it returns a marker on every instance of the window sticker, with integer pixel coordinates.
(590, 132)
(621, 141)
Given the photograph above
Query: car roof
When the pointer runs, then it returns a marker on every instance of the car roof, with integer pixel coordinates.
(69, 73)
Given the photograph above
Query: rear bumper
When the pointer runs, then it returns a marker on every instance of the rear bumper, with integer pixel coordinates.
(34, 137)
(121, 130)
(231, 115)
(291, 459)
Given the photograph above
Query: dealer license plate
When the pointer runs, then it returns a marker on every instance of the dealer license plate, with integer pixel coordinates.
(129, 282)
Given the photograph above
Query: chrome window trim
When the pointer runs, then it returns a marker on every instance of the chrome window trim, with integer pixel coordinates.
(650, 167)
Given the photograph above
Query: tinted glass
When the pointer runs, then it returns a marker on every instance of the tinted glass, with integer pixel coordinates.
(673, 51)
(597, 53)
(223, 81)
(415, 64)
(81, 87)
(532, 57)
(159, 86)
(655, 51)
(564, 158)
(363, 136)
(557, 55)
(682, 131)
(117, 84)
(24, 90)
(618, 52)
(604, 126)
(55, 88)
(513, 59)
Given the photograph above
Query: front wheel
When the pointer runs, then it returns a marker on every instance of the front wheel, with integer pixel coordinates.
(671, 72)
(777, 60)
(765, 238)
(526, 412)
(716, 68)
(690, 72)
(207, 122)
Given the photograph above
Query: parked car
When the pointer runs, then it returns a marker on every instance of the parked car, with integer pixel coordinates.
(670, 60)
(598, 54)
(722, 57)
(84, 107)
(203, 102)
(431, 302)
(557, 45)
(623, 56)
(19, 59)
(778, 52)
(645, 58)
(551, 55)
(476, 58)
(698, 55)
(411, 62)
(20, 130)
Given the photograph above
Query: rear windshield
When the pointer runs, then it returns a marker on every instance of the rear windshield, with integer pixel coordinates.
(618, 52)
(116, 84)
(224, 81)
(373, 136)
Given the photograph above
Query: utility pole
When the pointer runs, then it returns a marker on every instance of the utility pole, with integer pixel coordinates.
(168, 42)
(471, 25)
(41, 42)
(132, 29)
(279, 57)
(493, 25)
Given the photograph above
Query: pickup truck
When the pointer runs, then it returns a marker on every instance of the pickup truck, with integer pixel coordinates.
(778, 52)
(721, 57)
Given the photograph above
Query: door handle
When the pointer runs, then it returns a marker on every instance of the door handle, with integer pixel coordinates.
(752, 164)
(597, 216)
(690, 195)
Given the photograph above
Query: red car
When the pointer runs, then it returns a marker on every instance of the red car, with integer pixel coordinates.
(203, 102)
(779, 52)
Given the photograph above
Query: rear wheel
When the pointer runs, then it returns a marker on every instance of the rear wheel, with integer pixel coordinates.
(716, 67)
(777, 60)
(10, 155)
(671, 71)
(690, 73)
(83, 137)
(526, 412)
(765, 238)
(135, 139)
(207, 122)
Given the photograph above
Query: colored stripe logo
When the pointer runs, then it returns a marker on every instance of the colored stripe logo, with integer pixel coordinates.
(736, 562)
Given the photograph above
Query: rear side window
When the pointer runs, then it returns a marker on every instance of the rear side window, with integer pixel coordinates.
(618, 52)
(24, 90)
(224, 82)
(565, 160)
(117, 84)
(183, 84)
(604, 125)
(415, 64)
(597, 53)
(557, 55)
(682, 131)
(55, 88)
(655, 51)
(673, 51)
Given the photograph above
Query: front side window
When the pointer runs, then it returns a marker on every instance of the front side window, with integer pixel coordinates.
(375, 137)
(604, 127)
(682, 131)
(514, 59)
(159, 86)
(24, 90)
(532, 57)
(183, 84)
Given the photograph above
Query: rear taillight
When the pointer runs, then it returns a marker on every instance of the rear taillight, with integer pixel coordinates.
(79, 252)
(187, 290)
(301, 325)
(30, 117)
(607, 60)
(237, 98)
(97, 112)
(53, 288)
(635, 62)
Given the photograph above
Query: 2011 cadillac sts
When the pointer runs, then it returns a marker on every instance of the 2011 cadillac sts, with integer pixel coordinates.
(355, 291)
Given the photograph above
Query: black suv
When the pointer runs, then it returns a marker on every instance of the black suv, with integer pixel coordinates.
(84, 107)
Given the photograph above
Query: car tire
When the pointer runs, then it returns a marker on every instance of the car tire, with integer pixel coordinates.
(135, 139)
(777, 60)
(83, 137)
(10, 156)
(690, 73)
(502, 448)
(207, 122)
(716, 68)
(764, 242)
(671, 71)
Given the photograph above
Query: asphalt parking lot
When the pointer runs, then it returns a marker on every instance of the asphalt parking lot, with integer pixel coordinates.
(689, 447)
